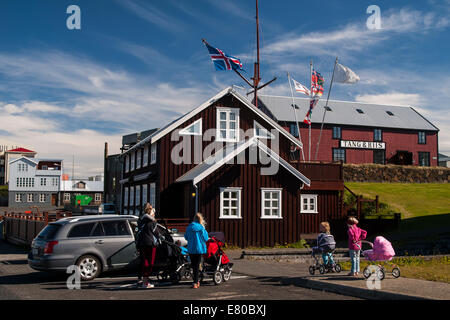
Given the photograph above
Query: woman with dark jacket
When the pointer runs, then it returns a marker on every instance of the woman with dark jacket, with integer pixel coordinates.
(146, 242)
(196, 237)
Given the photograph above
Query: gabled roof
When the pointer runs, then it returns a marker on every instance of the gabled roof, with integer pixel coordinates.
(21, 150)
(35, 161)
(228, 153)
(345, 113)
(176, 123)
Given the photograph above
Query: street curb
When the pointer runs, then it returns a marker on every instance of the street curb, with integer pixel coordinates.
(350, 291)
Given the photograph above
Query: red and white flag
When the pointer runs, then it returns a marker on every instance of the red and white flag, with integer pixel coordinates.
(300, 88)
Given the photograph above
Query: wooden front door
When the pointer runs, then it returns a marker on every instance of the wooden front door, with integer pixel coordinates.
(54, 199)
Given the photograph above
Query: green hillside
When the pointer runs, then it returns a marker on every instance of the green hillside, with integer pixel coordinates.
(412, 200)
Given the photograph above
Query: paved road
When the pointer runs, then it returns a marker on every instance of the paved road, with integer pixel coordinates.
(19, 281)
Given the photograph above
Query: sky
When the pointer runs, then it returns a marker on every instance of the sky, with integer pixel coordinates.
(138, 64)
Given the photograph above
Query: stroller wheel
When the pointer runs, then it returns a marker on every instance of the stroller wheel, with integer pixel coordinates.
(367, 272)
(312, 270)
(337, 267)
(226, 274)
(396, 272)
(380, 274)
(175, 277)
(217, 277)
(322, 269)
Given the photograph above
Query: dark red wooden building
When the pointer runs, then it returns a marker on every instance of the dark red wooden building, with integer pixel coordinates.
(232, 162)
(355, 132)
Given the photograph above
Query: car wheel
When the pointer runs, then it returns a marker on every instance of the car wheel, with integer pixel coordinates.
(89, 266)
(217, 277)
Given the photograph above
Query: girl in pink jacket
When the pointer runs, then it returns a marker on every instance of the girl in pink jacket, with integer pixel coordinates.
(355, 235)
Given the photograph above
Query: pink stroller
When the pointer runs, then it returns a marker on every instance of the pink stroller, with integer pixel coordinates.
(381, 251)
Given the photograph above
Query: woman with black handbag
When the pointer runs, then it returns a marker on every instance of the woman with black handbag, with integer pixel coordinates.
(146, 242)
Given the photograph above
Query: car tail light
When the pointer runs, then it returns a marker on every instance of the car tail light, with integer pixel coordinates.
(49, 247)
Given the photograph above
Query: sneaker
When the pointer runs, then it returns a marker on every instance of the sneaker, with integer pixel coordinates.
(148, 285)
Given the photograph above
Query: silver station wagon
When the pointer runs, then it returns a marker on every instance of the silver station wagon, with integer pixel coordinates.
(93, 243)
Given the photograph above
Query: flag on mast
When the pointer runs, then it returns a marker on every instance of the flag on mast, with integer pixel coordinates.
(345, 74)
(300, 88)
(221, 60)
(317, 82)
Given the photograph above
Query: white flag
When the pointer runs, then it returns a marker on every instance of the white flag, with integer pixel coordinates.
(344, 74)
(300, 88)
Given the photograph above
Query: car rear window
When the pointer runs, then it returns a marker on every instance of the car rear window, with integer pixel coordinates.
(81, 230)
(49, 232)
(116, 228)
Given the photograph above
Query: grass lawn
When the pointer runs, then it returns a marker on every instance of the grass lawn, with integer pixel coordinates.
(410, 199)
(432, 269)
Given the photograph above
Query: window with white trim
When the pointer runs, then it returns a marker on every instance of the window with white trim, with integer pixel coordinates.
(308, 203)
(152, 198)
(153, 154)
(271, 203)
(145, 160)
(42, 197)
(144, 194)
(133, 156)
(67, 197)
(43, 181)
(138, 159)
(98, 197)
(18, 197)
(138, 195)
(227, 124)
(127, 163)
(194, 129)
(261, 132)
(125, 197)
(30, 197)
(131, 196)
(230, 203)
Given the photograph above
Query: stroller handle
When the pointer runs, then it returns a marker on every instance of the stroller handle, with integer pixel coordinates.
(364, 241)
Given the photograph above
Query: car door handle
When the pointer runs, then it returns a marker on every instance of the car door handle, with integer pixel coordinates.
(99, 242)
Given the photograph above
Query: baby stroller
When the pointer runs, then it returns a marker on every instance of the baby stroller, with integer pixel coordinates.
(381, 251)
(215, 261)
(325, 245)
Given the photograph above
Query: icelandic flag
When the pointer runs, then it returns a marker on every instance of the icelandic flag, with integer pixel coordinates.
(221, 60)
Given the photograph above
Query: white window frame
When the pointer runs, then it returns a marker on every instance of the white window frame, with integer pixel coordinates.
(43, 181)
(18, 197)
(138, 195)
(30, 197)
(67, 196)
(257, 125)
(138, 158)
(239, 200)
(127, 163)
(152, 197)
(132, 161)
(125, 197)
(144, 194)
(263, 203)
(131, 196)
(227, 138)
(98, 197)
(185, 131)
(309, 197)
(145, 161)
(153, 152)
(42, 197)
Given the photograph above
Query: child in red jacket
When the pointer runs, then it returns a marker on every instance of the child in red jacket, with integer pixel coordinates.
(355, 235)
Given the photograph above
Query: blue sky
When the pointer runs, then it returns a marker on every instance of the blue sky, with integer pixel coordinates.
(138, 64)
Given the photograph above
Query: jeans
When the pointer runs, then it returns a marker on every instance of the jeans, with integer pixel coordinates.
(354, 256)
(327, 258)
